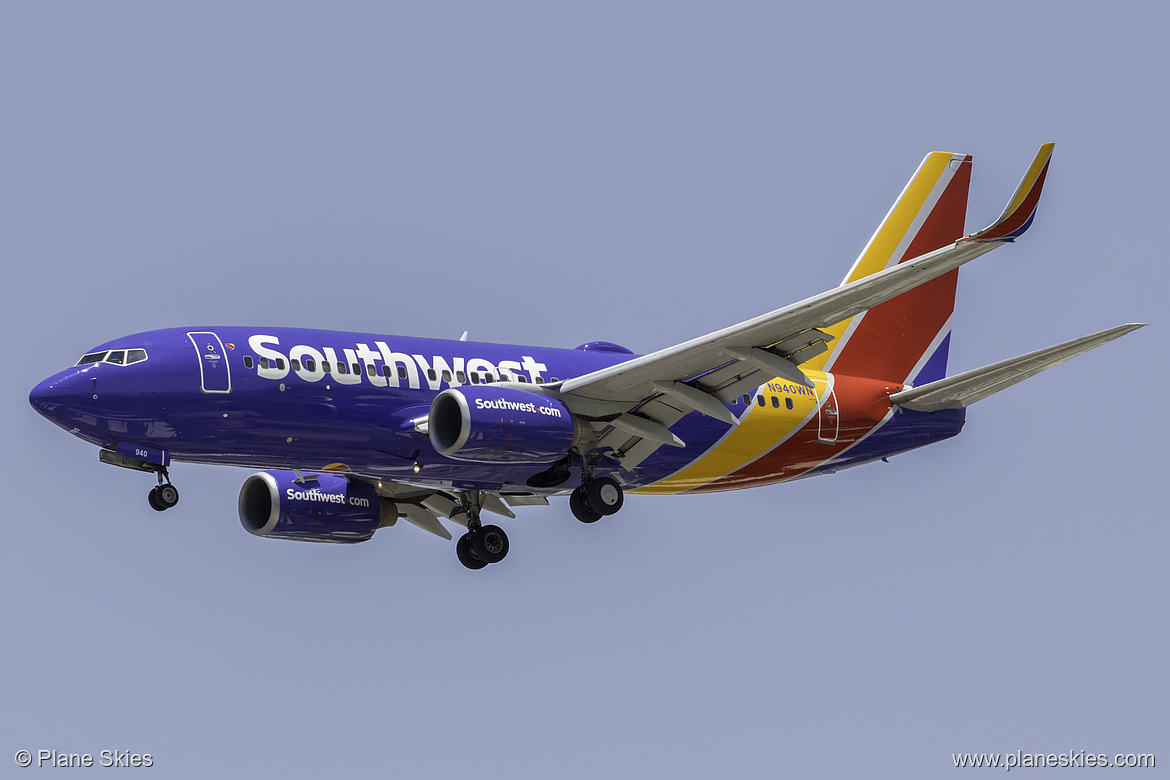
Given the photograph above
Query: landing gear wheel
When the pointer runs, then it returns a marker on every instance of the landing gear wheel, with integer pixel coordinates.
(152, 499)
(604, 495)
(463, 551)
(490, 543)
(580, 509)
(167, 495)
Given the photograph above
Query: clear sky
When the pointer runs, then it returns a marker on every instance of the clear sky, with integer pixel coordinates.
(556, 173)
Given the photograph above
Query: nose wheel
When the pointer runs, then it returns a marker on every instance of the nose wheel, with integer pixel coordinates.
(164, 495)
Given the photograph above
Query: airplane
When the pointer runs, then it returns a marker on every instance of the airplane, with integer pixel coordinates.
(355, 431)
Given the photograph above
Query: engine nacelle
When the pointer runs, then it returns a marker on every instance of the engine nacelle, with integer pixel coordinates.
(320, 508)
(492, 424)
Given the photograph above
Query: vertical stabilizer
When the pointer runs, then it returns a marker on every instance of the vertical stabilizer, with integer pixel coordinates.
(906, 339)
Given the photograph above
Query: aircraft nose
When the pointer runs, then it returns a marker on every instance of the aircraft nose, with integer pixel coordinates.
(56, 392)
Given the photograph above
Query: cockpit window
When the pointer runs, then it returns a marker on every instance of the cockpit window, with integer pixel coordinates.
(119, 357)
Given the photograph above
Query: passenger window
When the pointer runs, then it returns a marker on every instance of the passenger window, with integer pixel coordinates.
(461, 376)
(554, 380)
(775, 402)
(788, 403)
(488, 379)
(117, 357)
(296, 364)
(356, 368)
(371, 370)
(342, 368)
(248, 361)
(446, 376)
(135, 356)
(760, 400)
(735, 401)
(402, 372)
(474, 378)
(539, 380)
(92, 357)
(747, 400)
(385, 370)
(310, 364)
(280, 364)
(431, 374)
(263, 362)
(521, 378)
(326, 367)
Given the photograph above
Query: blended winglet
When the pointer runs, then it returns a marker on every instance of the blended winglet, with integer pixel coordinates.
(1021, 209)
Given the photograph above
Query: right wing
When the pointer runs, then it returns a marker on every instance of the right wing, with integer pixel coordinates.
(634, 403)
(423, 506)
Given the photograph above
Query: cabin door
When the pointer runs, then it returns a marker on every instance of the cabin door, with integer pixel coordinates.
(828, 414)
(214, 374)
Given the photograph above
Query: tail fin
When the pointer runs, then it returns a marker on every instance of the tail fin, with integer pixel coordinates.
(907, 339)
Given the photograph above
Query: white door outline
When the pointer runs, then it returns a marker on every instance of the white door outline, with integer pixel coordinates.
(212, 353)
(828, 412)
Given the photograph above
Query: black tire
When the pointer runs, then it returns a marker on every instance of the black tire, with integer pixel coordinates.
(167, 495)
(490, 543)
(152, 499)
(604, 495)
(580, 509)
(463, 551)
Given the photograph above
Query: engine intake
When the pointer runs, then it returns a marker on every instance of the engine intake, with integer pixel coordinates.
(491, 424)
(320, 508)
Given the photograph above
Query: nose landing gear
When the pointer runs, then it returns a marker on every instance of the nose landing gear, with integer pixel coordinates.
(164, 495)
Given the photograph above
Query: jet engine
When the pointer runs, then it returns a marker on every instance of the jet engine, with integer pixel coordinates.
(316, 508)
(492, 424)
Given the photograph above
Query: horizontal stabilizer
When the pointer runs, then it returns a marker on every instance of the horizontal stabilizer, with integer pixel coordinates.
(965, 389)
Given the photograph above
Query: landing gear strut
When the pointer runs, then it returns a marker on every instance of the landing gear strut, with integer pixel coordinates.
(164, 495)
(482, 544)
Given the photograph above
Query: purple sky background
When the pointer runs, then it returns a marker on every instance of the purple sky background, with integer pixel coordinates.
(553, 174)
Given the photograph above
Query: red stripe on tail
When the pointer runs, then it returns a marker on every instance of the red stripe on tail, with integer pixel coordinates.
(892, 338)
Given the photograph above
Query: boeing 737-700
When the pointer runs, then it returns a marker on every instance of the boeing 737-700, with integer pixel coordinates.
(356, 431)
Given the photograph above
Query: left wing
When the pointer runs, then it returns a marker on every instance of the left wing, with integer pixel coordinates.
(633, 404)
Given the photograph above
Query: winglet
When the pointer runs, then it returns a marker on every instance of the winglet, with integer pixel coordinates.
(1021, 209)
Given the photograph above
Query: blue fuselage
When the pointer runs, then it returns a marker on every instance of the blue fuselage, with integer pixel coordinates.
(286, 398)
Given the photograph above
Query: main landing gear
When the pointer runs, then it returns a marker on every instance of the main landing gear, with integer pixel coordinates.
(596, 498)
(482, 544)
(164, 495)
